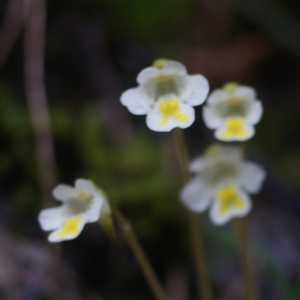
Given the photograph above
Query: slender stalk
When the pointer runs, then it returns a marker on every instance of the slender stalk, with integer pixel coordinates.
(240, 226)
(204, 284)
(36, 96)
(37, 101)
(140, 255)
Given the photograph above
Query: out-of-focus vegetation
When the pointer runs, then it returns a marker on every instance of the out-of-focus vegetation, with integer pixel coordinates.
(94, 50)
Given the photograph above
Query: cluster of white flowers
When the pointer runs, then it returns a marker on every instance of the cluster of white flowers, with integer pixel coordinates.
(166, 94)
(222, 182)
(81, 204)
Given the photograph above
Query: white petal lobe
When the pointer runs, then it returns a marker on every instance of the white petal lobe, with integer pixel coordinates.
(252, 177)
(195, 196)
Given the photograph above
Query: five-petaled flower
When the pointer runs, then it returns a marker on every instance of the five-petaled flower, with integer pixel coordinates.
(166, 94)
(81, 204)
(232, 112)
(222, 182)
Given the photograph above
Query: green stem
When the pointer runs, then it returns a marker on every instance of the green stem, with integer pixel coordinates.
(242, 235)
(241, 230)
(204, 285)
(140, 255)
(34, 40)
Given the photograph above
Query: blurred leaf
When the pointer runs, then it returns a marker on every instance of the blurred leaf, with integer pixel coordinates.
(148, 19)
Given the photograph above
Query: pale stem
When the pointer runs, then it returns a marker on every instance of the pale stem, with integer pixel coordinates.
(37, 98)
(240, 226)
(38, 107)
(241, 230)
(140, 255)
(203, 281)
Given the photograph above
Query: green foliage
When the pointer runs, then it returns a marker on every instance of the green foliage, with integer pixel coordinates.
(149, 20)
(14, 120)
(17, 157)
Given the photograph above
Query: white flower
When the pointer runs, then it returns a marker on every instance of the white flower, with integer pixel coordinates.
(222, 182)
(232, 112)
(166, 94)
(81, 204)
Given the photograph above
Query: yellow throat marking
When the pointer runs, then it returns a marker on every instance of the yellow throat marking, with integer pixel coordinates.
(82, 196)
(233, 101)
(228, 198)
(230, 87)
(164, 78)
(235, 127)
(71, 227)
(160, 63)
(170, 108)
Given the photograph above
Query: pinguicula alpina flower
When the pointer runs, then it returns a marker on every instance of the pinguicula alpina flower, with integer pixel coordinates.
(222, 182)
(81, 204)
(232, 111)
(166, 94)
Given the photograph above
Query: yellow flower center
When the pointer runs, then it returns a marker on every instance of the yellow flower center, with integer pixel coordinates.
(233, 101)
(235, 128)
(170, 108)
(213, 150)
(83, 196)
(160, 63)
(71, 227)
(164, 78)
(230, 87)
(229, 198)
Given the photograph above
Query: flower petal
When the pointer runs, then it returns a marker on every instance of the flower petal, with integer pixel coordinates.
(53, 218)
(210, 118)
(182, 118)
(136, 101)
(85, 185)
(252, 177)
(226, 153)
(63, 192)
(94, 211)
(244, 92)
(217, 96)
(194, 196)
(174, 67)
(148, 74)
(195, 91)
(219, 218)
(69, 230)
(198, 164)
(255, 113)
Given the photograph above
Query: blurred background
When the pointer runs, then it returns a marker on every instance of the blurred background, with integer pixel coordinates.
(93, 51)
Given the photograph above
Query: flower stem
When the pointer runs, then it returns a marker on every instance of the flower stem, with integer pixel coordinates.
(204, 285)
(140, 255)
(241, 230)
(34, 40)
(35, 89)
